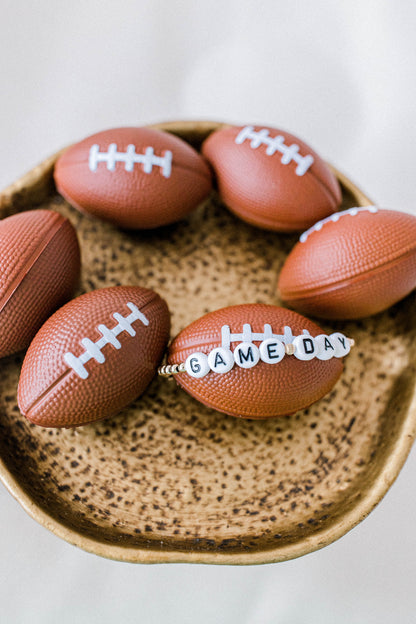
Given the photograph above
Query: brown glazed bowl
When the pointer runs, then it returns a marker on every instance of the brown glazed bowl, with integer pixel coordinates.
(169, 480)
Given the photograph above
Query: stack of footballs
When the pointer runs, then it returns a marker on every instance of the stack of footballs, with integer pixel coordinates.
(100, 351)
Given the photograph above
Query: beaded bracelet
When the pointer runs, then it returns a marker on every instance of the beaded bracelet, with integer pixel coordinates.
(271, 350)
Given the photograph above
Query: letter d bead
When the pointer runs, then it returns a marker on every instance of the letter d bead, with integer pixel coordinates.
(305, 347)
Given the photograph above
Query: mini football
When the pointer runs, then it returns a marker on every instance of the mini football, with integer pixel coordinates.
(93, 356)
(133, 177)
(270, 178)
(351, 265)
(39, 270)
(256, 360)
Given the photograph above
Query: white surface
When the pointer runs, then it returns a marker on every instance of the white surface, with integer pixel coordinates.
(341, 75)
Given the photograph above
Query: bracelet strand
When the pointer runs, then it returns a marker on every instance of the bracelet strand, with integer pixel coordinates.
(168, 370)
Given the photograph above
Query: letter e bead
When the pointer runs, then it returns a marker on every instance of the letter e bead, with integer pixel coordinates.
(272, 351)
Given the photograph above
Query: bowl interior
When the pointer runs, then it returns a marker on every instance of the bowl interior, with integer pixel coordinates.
(168, 479)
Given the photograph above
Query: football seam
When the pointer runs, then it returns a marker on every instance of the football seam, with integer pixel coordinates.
(328, 191)
(32, 260)
(317, 290)
(178, 165)
(210, 343)
(333, 199)
(207, 176)
(290, 228)
(39, 400)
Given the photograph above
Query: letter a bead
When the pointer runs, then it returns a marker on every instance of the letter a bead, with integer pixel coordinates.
(220, 360)
(305, 347)
(326, 347)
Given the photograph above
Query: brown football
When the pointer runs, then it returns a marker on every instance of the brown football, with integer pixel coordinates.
(39, 270)
(351, 265)
(270, 178)
(257, 360)
(93, 356)
(133, 177)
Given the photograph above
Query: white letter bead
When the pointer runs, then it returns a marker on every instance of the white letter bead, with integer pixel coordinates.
(246, 355)
(325, 346)
(341, 344)
(220, 360)
(196, 365)
(272, 351)
(305, 347)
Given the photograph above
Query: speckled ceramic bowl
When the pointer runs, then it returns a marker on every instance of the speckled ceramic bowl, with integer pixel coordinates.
(170, 480)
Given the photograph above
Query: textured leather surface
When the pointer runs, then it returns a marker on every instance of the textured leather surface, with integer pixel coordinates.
(40, 265)
(263, 191)
(52, 394)
(134, 199)
(354, 267)
(262, 391)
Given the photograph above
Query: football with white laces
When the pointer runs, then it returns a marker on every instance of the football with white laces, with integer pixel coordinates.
(353, 264)
(270, 178)
(136, 178)
(94, 356)
(256, 360)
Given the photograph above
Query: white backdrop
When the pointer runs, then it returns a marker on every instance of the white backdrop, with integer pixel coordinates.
(339, 74)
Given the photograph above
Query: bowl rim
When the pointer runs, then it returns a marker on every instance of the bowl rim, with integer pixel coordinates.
(35, 178)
